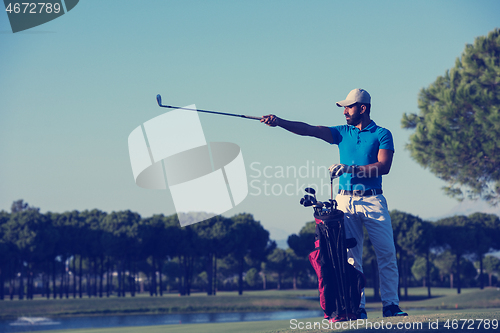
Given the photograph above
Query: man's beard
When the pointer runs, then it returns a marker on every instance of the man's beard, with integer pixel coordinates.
(354, 119)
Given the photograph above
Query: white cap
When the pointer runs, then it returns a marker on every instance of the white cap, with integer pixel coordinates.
(356, 96)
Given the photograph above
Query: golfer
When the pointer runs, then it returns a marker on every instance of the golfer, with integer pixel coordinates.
(366, 152)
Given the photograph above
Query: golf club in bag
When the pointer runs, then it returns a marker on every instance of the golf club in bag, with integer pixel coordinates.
(339, 283)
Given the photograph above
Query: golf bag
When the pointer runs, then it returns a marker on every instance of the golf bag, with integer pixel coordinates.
(340, 284)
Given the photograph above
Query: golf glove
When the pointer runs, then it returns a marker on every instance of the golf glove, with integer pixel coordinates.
(337, 170)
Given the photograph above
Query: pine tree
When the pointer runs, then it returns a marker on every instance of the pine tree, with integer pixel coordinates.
(457, 132)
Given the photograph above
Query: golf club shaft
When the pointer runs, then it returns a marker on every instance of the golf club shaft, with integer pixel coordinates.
(206, 111)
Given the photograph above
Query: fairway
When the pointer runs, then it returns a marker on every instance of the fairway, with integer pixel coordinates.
(471, 304)
(251, 301)
(419, 321)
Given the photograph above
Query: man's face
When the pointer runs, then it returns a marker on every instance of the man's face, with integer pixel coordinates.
(352, 114)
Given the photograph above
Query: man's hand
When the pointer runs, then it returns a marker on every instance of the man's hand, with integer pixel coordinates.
(270, 120)
(337, 170)
(299, 128)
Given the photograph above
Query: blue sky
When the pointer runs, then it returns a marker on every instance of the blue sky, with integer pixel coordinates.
(73, 89)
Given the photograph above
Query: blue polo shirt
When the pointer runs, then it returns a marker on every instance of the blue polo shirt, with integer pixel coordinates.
(360, 148)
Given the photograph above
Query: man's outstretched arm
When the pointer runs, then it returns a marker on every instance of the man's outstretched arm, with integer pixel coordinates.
(299, 128)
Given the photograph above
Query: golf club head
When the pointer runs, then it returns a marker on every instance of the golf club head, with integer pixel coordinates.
(333, 203)
(310, 198)
(327, 204)
(158, 99)
(302, 201)
(318, 204)
(308, 203)
(310, 190)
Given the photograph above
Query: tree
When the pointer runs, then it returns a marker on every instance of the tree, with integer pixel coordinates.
(19, 206)
(64, 246)
(303, 243)
(4, 251)
(297, 266)
(420, 270)
(408, 239)
(213, 238)
(90, 246)
(427, 241)
(485, 229)
(457, 132)
(463, 270)
(455, 234)
(491, 265)
(252, 276)
(277, 262)
(263, 273)
(248, 237)
(468, 272)
(32, 239)
(28, 239)
(412, 237)
(187, 249)
(121, 242)
(157, 239)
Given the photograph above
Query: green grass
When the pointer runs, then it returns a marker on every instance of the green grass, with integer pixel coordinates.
(422, 323)
(418, 322)
(196, 303)
(269, 300)
(445, 305)
(473, 298)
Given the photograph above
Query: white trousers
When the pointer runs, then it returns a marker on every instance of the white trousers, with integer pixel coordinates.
(372, 211)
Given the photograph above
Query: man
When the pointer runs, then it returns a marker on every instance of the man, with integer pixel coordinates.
(366, 152)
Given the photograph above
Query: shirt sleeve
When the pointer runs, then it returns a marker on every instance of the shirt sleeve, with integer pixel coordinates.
(337, 137)
(386, 141)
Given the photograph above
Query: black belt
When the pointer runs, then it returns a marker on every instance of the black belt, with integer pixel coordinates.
(362, 193)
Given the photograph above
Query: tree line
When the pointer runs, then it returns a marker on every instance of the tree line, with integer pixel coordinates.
(99, 254)
(449, 247)
(430, 253)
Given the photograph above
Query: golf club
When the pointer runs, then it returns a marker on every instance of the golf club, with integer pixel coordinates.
(318, 205)
(158, 99)
(310, 197)
(310, 190)
(307, 203)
